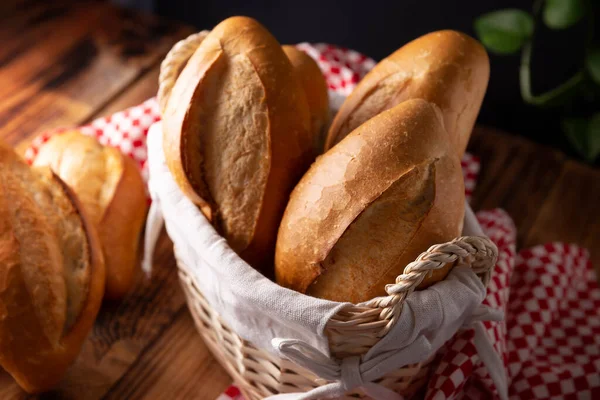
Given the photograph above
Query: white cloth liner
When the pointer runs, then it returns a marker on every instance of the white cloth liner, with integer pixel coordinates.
(291, 324)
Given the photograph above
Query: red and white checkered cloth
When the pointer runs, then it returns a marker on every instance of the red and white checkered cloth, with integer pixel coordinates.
(550, 340)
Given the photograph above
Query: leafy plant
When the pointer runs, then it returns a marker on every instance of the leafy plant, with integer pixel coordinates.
(510, 30)
(561, 14)
(504, 31)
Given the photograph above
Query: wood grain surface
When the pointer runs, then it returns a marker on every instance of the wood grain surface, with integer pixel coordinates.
(63, 60)
(63, 63)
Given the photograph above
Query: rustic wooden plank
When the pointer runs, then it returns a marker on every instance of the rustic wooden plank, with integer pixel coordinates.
(90, 54)
(140, 90)
(570, 213)
(177, 366)
(549, 197)
(31, 19)
(516, 175)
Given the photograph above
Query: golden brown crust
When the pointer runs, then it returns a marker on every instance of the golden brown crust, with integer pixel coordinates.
(31, 256)
(120, 231)
(447, 68)
(90, 169)
(237, 134)
(371, 205)
(315, 87)
(69, 230)
(30, 237)
(112, 192)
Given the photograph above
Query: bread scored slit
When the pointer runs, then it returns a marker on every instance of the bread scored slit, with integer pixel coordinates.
(228, 139)
(35, 266)
(235, 148)
(191, 146)
(73, 238)
(410, 199)
(53, 195)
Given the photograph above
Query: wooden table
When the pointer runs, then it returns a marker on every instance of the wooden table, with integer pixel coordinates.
(65, 63)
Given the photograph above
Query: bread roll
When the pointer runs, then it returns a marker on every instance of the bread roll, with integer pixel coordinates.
(447, 68)
(52, 274)
(237, 135)
(112, 191)
(371, 205)
(315, 88)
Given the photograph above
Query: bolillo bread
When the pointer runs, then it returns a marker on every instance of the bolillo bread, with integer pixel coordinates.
(371, 205)
(112, 191)
(313, 84)
(51, 274)
(447, 68)
(315, 87)
(236, 135)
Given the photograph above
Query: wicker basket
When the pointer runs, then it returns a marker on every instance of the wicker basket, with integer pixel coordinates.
(351, 332)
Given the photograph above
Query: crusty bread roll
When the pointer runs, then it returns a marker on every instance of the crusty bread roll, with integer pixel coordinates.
(371, 205)
(52, 274)
(112, 191)
(237, 135)
(315, 87)
(447, 68)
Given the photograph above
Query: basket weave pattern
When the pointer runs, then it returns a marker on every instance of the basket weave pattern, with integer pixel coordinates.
(258, 373)
(351, 332)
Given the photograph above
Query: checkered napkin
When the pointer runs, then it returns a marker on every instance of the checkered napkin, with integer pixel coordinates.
(550, 340)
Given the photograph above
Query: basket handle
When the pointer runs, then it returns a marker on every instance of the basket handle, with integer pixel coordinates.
(173, 64)
(348, 368)
(478, 252)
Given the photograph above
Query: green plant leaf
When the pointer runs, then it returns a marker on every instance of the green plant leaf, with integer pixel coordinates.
(594, 137)
(576, 132)
(584, 135)
(504, 31)
(561, 14)
(592, 63)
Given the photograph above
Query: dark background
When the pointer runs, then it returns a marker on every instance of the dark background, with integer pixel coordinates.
(377, 28)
